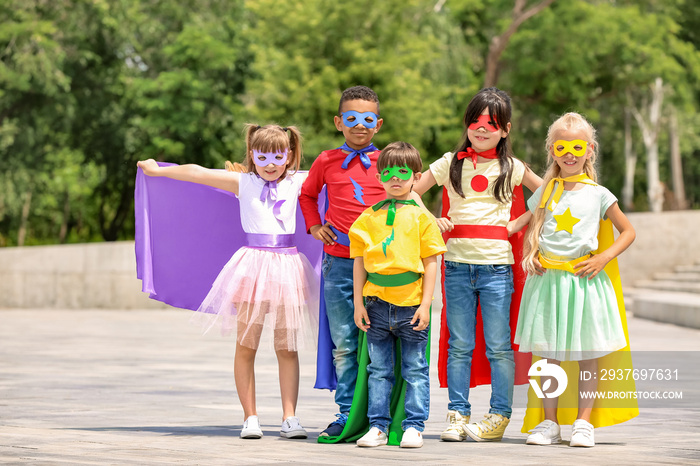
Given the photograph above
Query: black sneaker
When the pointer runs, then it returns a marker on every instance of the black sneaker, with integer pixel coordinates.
(336, 427)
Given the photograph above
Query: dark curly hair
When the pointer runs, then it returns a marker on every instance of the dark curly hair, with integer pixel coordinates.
(358, 93)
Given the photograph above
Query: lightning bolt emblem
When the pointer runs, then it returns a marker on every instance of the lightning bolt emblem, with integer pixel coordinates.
(387, 241)
(358, 191)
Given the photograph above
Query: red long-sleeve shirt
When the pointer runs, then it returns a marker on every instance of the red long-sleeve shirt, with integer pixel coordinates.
(346, 199)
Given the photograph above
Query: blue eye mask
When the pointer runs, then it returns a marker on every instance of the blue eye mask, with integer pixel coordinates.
(367, 119)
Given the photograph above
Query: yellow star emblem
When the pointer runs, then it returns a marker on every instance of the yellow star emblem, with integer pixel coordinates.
(566, 221)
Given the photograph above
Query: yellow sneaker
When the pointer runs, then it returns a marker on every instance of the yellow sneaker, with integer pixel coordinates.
(490, 429)
(456, 431)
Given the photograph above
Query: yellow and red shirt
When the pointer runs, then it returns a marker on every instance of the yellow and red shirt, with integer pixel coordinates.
(478, 207)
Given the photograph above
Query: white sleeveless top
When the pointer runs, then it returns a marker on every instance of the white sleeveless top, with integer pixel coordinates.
(257, 216)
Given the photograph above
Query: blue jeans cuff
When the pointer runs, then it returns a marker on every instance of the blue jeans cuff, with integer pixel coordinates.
(500, 413)
(408, 426)
(384, 429)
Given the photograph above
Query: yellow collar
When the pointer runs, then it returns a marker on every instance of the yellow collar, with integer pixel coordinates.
(582, 178)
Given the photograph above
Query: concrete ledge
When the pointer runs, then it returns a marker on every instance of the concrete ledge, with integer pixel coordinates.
(671, 307)
(670, 285)
(678, 276)
(664, 240)
(73, 276)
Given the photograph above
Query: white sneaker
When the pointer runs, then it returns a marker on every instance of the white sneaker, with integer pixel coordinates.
(251, 428)
(457, 430)
(291, 428)
(582, 434)
(546, 433)
(373, 438)
(412, 438)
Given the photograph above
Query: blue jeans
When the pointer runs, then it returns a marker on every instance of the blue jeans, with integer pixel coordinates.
(388, 323)
(466, 285)
(340, 309)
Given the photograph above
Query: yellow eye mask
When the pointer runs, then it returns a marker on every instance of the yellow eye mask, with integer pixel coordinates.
(577, 147)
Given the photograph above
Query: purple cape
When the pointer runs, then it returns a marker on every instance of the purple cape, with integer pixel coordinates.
(185, 234)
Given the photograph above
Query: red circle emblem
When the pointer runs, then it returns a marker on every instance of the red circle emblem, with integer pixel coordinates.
(480, 183)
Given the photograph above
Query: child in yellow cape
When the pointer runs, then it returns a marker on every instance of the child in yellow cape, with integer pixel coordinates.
(572, 312)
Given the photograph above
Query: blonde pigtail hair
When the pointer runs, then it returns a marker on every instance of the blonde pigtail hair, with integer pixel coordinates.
(295, 141)
(235, 167)
(566, 122)
(250, 130)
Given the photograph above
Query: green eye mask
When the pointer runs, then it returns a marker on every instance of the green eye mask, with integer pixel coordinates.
(402, 173)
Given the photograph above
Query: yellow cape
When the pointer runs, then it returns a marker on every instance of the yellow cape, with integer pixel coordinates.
(605, 412)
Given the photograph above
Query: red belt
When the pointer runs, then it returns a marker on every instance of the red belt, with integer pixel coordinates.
(477, 231)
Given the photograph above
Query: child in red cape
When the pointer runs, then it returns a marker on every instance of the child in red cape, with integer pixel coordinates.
(481, 180)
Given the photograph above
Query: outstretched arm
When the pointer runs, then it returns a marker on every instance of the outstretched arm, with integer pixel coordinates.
(221, 179)
(531, 180)
(416, 197)
(595, 264)
(426, 181)
(519, 223)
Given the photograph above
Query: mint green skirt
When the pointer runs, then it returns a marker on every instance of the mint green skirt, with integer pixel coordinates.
(569, 318)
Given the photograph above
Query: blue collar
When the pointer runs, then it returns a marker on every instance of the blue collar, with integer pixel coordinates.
(364, 158)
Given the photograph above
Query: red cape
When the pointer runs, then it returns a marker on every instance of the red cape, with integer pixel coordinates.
(481, 370)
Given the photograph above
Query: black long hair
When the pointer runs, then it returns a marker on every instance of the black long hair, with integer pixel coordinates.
(498, 103)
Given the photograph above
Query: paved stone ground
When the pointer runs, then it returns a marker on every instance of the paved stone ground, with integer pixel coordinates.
(144, 387)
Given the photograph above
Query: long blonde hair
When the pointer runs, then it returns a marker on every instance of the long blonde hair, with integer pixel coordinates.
(270, 138)
(567, 122)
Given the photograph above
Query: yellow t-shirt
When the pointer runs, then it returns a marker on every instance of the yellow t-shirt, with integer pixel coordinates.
(397, 248)
(478, 207)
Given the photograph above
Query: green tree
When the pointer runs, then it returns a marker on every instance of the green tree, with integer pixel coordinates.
(99, 85)
(589, 57)
(172, 94)
(34, 99)
(308, 52)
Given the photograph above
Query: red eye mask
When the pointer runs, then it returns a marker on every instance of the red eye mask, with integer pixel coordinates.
(485, 121)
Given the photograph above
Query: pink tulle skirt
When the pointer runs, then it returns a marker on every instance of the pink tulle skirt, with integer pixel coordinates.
(260, 288)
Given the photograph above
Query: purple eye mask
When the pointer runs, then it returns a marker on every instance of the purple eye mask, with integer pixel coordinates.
(263, 159)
